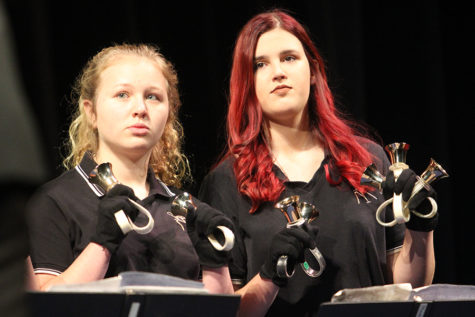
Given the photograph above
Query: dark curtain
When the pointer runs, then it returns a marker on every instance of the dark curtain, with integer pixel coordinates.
(404, 69)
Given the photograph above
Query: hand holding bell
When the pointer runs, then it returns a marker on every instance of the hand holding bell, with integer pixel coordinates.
(183, 204)
(297, 213)
(372, 177)
(103, 177)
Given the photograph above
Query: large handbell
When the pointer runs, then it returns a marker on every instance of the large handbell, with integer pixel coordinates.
(297, 213)
(103, 177)
(397, 154)
(183, 204)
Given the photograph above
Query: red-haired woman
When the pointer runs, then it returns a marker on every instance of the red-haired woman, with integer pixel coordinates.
(286, 138)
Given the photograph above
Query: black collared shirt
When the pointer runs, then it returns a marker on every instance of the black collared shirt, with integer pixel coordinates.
(62, 218)
(354, 245)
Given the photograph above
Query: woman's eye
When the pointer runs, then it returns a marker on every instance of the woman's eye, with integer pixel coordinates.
(259, 65)
(289, 58)
(153, 97)
(122, 95)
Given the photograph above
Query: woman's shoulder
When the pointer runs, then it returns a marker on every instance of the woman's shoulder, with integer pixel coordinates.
(224, 169)
(67, 184)
(371, 146)
(376, 150)
(46, 201)
(220, 177)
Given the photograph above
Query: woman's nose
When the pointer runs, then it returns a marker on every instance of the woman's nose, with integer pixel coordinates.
(140, 108)
(279, 73)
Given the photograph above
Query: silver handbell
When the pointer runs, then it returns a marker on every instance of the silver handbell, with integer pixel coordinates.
(372, 177)
(433, 172)
(397, 154)
(103, 177)
(183, 204)
(297, 213)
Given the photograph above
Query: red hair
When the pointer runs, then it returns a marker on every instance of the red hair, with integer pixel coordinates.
(246, 138)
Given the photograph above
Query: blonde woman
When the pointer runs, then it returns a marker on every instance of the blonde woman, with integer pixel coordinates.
(127, 104)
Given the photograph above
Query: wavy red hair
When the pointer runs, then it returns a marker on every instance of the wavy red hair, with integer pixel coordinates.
(246, 137)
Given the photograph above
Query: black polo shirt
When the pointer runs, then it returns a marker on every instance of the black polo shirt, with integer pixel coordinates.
(353, 243)
(62, 218)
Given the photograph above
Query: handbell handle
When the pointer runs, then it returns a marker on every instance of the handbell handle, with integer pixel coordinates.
(297, 213)
(183, 203)
(103, 177)
(373, 178)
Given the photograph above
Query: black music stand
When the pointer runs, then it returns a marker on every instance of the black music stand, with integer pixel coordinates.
(376, 309)
(459, 308)
(44, 304)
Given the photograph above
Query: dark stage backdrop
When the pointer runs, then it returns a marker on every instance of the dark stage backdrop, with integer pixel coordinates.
(404, 69)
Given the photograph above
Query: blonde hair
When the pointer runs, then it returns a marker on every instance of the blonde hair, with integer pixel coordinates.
(169, 164)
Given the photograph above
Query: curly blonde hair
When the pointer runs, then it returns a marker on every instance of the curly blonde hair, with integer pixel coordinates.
(168, 162)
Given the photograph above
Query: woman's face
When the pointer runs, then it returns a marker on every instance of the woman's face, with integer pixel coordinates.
(131, 107)
(282, 77)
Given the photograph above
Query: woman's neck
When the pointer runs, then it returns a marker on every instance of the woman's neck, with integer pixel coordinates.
(296, 151)
(128, 171)
(290, 139)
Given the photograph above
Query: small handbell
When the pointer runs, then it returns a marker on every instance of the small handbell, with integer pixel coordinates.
(289, 207)
(308, 211)
(295, 211)
(433, 172)
(103, 177)
(296, 214)
(372, 177)
(182, 204)
(222, 238)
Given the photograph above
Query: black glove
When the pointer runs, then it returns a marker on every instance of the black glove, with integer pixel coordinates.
(291, 242)
(108, 233)
(201, 223)
(405, 184)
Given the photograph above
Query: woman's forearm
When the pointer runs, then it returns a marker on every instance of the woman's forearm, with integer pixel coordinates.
(90, 265)
(257, 296)
(415, 263)
(217, 280)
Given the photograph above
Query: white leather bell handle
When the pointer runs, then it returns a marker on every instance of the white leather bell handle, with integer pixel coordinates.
(126, 224)
(228, 239)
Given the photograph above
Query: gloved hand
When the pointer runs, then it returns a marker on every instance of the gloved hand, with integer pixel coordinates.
(405, 184)
(108, 233)
(201, 223)
(291, 242)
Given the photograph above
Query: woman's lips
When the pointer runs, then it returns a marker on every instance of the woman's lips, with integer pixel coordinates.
(139, 128)
(281, 89)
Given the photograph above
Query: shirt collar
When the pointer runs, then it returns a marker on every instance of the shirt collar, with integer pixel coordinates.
(87, 164)
(280, 174)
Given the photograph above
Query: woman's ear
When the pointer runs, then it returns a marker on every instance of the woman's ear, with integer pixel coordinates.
(90, 113)
(313, 80)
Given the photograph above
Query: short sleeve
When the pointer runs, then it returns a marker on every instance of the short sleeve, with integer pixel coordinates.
(49, 236)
